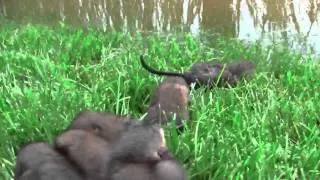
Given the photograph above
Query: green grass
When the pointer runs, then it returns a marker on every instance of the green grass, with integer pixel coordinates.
(265, 128)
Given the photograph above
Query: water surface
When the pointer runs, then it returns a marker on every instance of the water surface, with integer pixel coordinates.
(244, 19)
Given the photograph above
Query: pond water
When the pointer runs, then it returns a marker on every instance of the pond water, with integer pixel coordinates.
(268, 20)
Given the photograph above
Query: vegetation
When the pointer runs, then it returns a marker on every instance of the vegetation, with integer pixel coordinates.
(263, 128)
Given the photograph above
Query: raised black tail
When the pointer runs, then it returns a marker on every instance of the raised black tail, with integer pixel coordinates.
(162, 73)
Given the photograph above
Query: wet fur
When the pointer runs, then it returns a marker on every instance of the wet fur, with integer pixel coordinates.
(141, 154)
(164, 170)
(86, 150)
(40, 161)
(221, 74)
(141, 144)
(241, 68)
(169, 100)
(169, 170)
(105, 125)
(200, 74)
(210, 73)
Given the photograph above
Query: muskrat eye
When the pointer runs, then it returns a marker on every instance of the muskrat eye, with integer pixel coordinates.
(206, 70)
(96, 128)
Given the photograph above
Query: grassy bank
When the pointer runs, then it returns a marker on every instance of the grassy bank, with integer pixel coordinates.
(264, 128)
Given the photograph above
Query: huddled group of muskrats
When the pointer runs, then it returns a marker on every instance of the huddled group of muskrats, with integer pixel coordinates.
(105, 146)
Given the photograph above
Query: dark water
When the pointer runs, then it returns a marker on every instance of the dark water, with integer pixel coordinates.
(245, 19)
